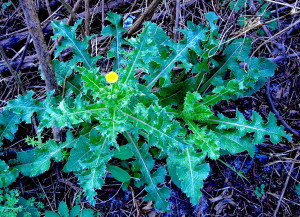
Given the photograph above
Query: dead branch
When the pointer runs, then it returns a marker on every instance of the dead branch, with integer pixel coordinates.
(12, 71)
(87, 17)
(149, 12)
(28, 63)
(34, 27)
(40, 45)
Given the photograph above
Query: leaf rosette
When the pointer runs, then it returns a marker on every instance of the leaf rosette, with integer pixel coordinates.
(157, 112)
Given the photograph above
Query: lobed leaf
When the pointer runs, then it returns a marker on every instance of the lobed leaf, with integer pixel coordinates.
(233, 143)
(79, 48)
(179, 52)
(88, 161)
(9, 122)
(195, 110)
(145, 162)
(25, 106)
(157, 126)
(205, 140)
(36, 161)
(188, 171)
(145, 46)
(7, 175)
(257, 126)
(116, 30)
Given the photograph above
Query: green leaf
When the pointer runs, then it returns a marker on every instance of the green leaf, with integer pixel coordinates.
(180, 52)
(123, 153)
(145, 162)
(118, 173)
(146, 45)
(25, 106)
(63, 209)
(88, 161)
(193, 109)
(28, 208)
(79, 48)
(112, 123)
(298, 189)
(213, 31)
(87, 213)
(234, 54)
(257, 126)
(205, 140)
(5, 5)
(174, 93)
(71, 112)
(7, 175)
(93, 81)
(188, 170)
(63, 69)
(157, 126)
(75, 211)
(116, 30)
(237, 5)
(232, 90)
(233, 143)
(37, 161)
(259, 70)
(8, 125)
(51, 214)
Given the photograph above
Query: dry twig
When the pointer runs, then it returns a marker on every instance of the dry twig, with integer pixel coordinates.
(12, 71)
(277, 114)
(286, 184)
(87, 17)
(143, 17)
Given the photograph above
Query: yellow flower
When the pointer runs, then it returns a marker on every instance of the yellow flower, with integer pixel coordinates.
(111, 77)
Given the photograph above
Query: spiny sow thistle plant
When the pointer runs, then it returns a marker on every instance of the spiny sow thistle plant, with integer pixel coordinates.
(162, 115)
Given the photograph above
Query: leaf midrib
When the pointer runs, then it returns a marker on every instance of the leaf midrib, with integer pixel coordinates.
(146, 168)
(174, 59)
(157, 130)
(239, 125)
(74, 45)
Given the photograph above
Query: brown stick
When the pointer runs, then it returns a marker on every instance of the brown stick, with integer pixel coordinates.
(48, 7)
(143, 17)
(12, 71)
(35, 30)
(286, 184)
(87, 17)
(178, 8)
(75, 8)
(62, 180)
(34, 27)
(23, 54)
(20, 36)
(69, 9)
(102, 14)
